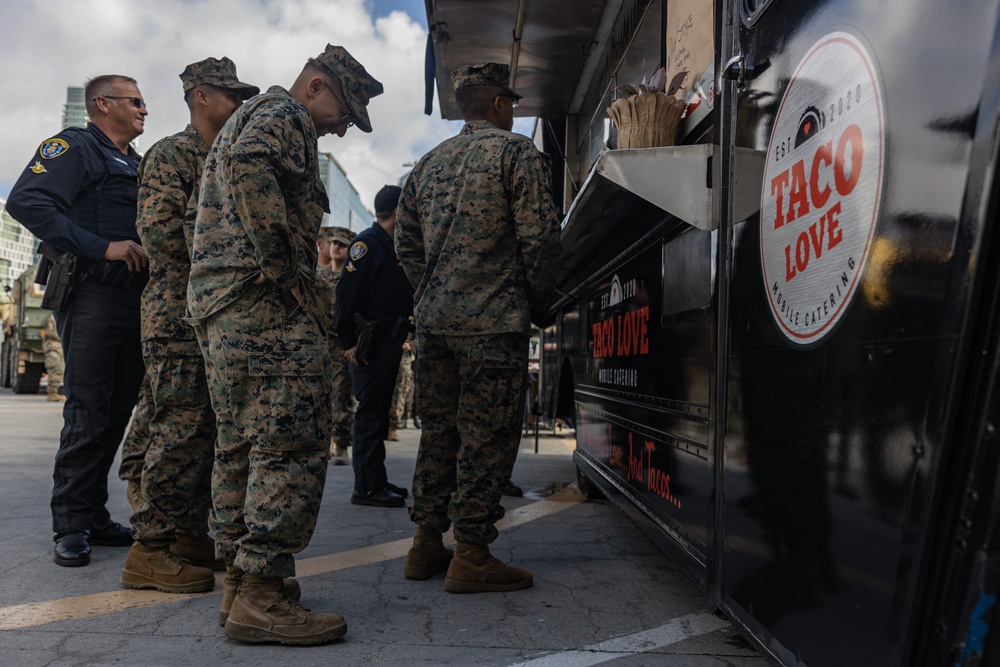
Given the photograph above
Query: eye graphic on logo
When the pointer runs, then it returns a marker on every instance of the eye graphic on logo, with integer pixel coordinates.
(810, 124)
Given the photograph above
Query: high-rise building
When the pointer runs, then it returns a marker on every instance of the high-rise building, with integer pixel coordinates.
(346, 208)
(17, 250)
(75, 111)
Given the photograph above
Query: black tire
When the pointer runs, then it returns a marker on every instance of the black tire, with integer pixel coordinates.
(29, 381)
(587, 487)
(6, 378)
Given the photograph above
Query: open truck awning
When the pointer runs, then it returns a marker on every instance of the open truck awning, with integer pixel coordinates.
(556, 38)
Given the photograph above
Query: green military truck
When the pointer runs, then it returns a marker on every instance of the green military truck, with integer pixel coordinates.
(22, 361)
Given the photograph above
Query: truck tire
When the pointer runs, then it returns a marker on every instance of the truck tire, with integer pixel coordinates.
(587, 487)
(6, 364)
(28, 381)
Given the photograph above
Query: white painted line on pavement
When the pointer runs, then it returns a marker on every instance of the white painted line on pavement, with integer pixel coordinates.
(673, 631)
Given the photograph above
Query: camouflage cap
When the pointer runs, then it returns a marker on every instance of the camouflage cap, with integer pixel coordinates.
(342, 234)
(485, 74)
(215, 72)
(359, 86)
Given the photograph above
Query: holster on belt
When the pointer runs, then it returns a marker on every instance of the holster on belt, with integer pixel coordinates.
(59, 272)
(367, 333)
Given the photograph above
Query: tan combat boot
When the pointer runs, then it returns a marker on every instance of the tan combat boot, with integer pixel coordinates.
(262, 613)
(427, 556)
(234, 578)
(54, 395)
(133, 493)
(393, 436)
(340, 457)
(198, 551)
(157, 567)
(474, 570)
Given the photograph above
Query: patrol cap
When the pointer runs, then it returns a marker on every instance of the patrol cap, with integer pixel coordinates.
(215, 72)
(387, 199)
(485, 74)
(342, 234)
(359, 85)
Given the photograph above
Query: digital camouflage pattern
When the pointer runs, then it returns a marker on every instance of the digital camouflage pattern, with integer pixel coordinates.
(55, 365)
(216, 72)
(343, 393)
(358, 85)
(477, 234)
(467, 453)
(177, 462)
(249, 220)
(260, 209)
(480, 207)
(136, 441)
(269, 374)
(402, 396)
(168, 203)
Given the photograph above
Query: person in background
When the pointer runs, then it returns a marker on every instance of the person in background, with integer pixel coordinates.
(478, 237)
(78, 195)
(338, 239)
(374, 289)
(55, 366)
(257, 305)
(172, 550)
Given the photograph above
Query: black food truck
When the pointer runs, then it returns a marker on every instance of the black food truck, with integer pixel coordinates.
(777, 338)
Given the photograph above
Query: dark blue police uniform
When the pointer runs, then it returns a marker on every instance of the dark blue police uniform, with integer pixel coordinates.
(373, 285)
(79, 193)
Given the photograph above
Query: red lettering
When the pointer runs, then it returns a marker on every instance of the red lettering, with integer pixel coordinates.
(799, 194)
(835, 233)
(845, 184)
(817, 239)
(626, 335)
(643, 334)
(802, 252)
(778, 185)
(824, 154)
(789, 271)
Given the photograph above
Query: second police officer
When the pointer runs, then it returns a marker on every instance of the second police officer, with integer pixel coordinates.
(374, 293)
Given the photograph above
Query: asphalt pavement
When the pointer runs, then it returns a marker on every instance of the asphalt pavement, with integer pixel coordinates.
(603, 594)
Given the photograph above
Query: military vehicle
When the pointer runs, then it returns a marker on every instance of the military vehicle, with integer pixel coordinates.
(22, 362)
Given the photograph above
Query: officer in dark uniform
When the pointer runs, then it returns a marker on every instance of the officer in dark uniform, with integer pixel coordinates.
(374, 286)
(78, 195)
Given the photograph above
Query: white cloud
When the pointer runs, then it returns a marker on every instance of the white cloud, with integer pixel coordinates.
(48, 45)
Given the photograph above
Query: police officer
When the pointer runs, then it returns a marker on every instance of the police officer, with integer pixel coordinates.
(257, 304)
(478, 238)
(374, 287)
(172, 551)
(78, 195)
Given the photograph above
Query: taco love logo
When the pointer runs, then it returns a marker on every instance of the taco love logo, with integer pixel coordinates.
(822, 187)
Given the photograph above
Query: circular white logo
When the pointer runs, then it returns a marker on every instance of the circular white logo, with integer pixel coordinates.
(822, 187)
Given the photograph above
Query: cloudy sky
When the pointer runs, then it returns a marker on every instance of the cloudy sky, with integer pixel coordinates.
(47, 45)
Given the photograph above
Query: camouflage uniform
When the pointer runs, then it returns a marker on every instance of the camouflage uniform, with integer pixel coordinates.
(136, 441)
(477, 235)
(343, 392)
(402, 397)
(52, 347)
(178, 461)
(260, 209)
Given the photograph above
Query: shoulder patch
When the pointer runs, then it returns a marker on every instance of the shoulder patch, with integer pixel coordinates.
(38, 167)
(53, 147)
(358, 250)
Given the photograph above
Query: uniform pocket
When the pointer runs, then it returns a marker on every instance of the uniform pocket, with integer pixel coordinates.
(289, 389)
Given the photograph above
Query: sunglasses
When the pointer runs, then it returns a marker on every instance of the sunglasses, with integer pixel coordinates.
(137, 102)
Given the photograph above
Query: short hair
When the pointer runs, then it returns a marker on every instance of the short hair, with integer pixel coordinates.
(316, 68)
(102, 86)
(475, 101)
